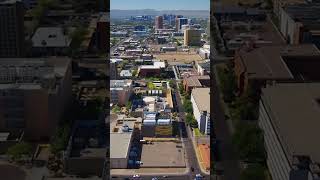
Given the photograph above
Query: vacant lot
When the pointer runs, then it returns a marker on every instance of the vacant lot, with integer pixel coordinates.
(163, 155)
(178, 57)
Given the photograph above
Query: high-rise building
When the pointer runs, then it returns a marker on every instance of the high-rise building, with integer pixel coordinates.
(102, 32)
(113, 71)
(192, 37)
(34, 94)
(159, 22)
(11, 28)
(180, 22)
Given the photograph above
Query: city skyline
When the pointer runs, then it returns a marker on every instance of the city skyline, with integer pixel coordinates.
(160, 5)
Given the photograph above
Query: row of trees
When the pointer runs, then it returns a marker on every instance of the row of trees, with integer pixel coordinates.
(248, 137)
(187, 106)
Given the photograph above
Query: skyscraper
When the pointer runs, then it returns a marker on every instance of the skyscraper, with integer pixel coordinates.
(180, 22)
(11, 28)
(159, 22)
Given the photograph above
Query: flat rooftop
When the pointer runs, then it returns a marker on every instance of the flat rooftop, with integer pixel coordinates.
(13, 69)
(267, 62)
(120, 144)
(295, 112)
(307, 14)
(93, 152)
(50, 37)
(202, 98)
(195, 81)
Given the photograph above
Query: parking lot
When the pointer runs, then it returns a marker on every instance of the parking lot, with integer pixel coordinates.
(163, 154)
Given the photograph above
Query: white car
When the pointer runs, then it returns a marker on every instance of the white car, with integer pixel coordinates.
(136, 176)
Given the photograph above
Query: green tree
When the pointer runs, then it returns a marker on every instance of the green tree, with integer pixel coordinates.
(128, 105)
(194, 123)
(187, 105)
(189, 118)
(60, 139)
(116, 109)
(248, 139)
(181, 88)
(17, 151)
(253, 172)
(134, 72)
(228, 83)
(171, 84)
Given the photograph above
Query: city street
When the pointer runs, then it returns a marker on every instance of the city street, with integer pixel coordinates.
(186, 137)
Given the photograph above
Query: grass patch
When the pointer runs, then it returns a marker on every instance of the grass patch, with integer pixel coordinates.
(197, 132)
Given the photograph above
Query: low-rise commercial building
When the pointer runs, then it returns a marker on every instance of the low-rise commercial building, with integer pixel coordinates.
(193, 82)
(87, 148)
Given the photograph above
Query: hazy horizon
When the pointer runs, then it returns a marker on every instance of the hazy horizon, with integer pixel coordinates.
(160, 5)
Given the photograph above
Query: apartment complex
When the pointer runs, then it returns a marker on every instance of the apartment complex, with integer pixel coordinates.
(200, 99)
(34, 93)
(11, 28)
(289, 116)
(192, 37)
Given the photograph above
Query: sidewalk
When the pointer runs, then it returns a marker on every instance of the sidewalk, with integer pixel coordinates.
(198, 155)
(151, 171)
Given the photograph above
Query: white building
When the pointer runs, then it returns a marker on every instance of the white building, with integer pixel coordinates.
(200, 99)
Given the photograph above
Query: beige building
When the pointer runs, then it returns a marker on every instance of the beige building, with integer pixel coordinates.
(33, 95)
(11, 28)
(192, 37)
(289, 117)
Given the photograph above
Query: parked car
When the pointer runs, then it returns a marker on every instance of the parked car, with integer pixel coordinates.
(136, 176)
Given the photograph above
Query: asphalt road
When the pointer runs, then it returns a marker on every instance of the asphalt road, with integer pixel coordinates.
(183, 177)
(229, 159)
(186, 138)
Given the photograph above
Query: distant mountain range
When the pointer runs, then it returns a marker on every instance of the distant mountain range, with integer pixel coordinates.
(117, 13)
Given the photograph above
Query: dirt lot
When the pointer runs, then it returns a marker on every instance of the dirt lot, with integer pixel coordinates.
(178, 56)
(163, 154)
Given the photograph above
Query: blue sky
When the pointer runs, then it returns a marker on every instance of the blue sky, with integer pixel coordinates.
(161, 4)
